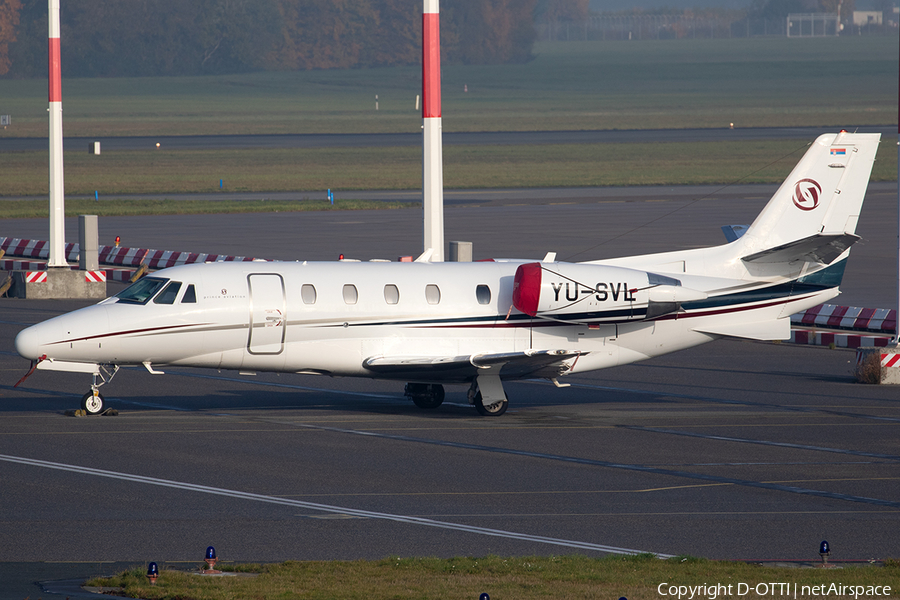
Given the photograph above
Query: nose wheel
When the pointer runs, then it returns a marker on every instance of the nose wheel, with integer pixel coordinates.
(92, 403)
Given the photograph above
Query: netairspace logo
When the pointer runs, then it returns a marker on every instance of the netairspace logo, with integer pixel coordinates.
(776, 590)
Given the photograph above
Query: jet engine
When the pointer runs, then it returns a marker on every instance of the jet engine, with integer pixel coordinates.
(583, 293)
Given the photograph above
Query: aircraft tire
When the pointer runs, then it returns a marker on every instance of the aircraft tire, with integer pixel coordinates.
(491, 410)
(92, 405)
(433, 397)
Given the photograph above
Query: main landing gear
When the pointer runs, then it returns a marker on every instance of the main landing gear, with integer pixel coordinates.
(487, 394)
(425, 395)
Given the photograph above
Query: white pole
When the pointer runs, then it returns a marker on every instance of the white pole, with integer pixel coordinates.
(897, 318)
(432, 157)
(57, 249)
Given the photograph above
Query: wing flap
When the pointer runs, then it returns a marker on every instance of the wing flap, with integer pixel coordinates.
(511, 365)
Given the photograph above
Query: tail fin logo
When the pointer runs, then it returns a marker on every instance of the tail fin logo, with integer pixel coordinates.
(806, 194)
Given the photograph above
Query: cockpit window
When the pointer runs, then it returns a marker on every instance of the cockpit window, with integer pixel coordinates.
(168, 295)
(190, 295)
(142, 291)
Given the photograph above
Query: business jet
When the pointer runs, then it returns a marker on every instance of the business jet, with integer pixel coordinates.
(479, 324)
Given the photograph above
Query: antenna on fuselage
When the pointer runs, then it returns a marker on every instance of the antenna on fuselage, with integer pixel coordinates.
(432, 153)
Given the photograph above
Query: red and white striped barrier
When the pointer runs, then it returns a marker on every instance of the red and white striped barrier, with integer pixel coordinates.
(21, 265)
(878, 366)
(23, 248)
(890, 360)
(113, 256)
(121, 257)
(36, 277)
(120, 275)
(34, 248)
(881, 321)
(840, 340)
(122, 263)
(162, 259)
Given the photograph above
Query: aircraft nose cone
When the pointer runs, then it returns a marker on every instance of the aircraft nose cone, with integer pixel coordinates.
(38, 340)
(29, 343)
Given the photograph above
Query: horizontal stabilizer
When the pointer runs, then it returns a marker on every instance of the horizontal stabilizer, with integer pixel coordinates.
(460, 368)
(821, 248)
(777, 329)
(733, 232)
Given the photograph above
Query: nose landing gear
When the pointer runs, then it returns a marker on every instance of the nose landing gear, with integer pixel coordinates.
(93, 402)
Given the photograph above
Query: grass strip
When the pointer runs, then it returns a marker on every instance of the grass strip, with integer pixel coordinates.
(32, 209)
(521, 578)
(161, 171)
(648, 84)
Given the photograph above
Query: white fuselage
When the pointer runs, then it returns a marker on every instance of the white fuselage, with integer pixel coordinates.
(330, 318)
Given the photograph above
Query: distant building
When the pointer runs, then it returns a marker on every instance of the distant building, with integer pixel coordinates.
(862, 18)
(812, 24)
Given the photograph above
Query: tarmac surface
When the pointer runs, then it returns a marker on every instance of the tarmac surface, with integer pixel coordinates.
(732, 450)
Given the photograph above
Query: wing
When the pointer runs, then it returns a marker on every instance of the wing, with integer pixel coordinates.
(510, 365)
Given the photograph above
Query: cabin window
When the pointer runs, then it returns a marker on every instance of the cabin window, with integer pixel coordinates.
(391, 294)
(483, 294)
(432, 294)
(190, 295)
(142, 290)
(351, 296)
(168, 295)
(308, 293)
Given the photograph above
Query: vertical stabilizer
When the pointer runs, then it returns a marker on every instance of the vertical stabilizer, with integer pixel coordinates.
(821, 199)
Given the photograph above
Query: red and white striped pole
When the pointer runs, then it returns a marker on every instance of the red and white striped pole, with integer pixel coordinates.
(432, 154)
(57, 202)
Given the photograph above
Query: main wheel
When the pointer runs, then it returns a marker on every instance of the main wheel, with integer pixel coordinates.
(490, 410)
(92, 403)
(426, 396)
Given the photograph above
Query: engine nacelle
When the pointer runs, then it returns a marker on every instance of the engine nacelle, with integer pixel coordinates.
(596, 293)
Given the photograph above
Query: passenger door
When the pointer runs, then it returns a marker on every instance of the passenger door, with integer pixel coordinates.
(267, 313)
